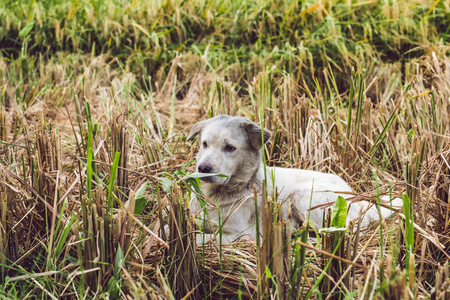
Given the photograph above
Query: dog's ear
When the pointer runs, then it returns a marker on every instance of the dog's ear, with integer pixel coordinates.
(196, 129)
(254, 134)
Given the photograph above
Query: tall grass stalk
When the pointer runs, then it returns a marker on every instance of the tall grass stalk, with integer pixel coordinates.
(409, 239)
(96, 98)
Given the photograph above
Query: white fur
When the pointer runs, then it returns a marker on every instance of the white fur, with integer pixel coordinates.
(234, 195)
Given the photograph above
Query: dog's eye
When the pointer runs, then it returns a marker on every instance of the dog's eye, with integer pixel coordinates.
(205, 145)
(229, 148)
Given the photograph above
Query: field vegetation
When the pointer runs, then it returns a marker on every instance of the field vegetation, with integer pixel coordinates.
(97, 98)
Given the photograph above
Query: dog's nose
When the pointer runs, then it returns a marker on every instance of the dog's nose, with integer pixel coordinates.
(204, 168)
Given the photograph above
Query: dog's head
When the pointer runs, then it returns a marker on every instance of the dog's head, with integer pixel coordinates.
(229, 146)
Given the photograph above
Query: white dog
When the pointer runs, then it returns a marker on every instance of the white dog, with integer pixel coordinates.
(232, 146)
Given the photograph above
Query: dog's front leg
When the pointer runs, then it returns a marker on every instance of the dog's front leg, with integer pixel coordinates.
(203, 238)
(209, 229)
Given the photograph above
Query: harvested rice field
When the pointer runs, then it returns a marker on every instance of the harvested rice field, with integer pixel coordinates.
(96, 102)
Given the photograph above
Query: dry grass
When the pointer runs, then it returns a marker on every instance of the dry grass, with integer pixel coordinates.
(50, 221)
(93, 154)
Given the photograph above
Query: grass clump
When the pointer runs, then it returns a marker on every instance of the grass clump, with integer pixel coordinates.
(96, 99)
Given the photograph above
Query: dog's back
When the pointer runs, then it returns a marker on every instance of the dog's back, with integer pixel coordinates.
(309, 191)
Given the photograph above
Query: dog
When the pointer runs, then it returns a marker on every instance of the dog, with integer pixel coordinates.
(232, 146)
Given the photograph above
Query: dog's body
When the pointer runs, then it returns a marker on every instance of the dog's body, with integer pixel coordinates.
(232, 147)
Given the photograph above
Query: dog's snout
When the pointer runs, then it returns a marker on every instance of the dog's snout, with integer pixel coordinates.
(205, 168)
